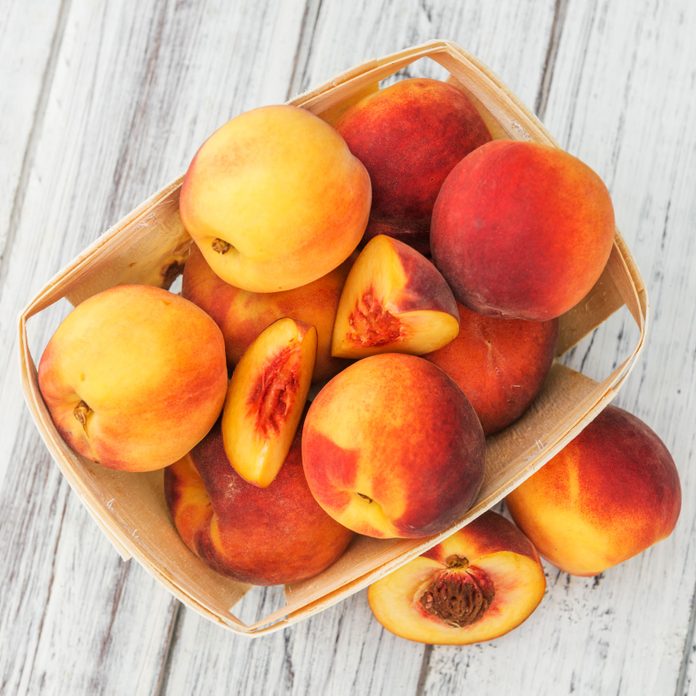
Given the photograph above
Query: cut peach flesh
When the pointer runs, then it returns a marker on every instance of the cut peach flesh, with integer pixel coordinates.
(517, 583)
(265, 398)
(394, 300)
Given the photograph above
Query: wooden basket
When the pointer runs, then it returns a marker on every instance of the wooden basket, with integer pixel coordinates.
(149, 246)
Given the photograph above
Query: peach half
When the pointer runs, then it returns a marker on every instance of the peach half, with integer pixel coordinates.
(392, 448)
(265, 399)
(522, 230)
(274, 199)
(243, 315)
(134, 377)
(476, 585)
(609, 494)
(394, 300)
(264, 536)
(499, 363)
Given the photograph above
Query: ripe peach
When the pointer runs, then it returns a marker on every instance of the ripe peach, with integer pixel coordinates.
(265, 399)
(476, 585)
(392, 448)
(274, 199)
(264, 536)
(243, 315)
(499, 363)
(394, 300)
(522, 230)
(410, 136)
(609, 494)
(134, 377)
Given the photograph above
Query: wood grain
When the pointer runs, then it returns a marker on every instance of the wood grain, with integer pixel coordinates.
(108, 101)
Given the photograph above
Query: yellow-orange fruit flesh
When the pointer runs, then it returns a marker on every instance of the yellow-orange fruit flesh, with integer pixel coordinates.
(392, 448)
(134, 377)
(265, 398)
(264, 536)
(243, 315)
(499, 363)
(274, 199)
(394, 300)
(478, 584)
(609, 494)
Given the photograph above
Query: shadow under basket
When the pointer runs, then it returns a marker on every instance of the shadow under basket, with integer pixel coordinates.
(150, 245)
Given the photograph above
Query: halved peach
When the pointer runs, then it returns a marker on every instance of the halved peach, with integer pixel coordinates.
(265, 399)
(476, 585)
(394, 300)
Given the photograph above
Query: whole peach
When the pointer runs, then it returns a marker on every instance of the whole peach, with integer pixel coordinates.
(410, 136)
(392, 448)
(134, 377)
(522, 230)
(609, 494)
(264, 536)
(243, 315)
(499, 363)
(274, 199)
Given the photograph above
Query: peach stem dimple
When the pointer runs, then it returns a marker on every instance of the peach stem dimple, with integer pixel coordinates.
(221, 246)
(460, 595)
(82, 412)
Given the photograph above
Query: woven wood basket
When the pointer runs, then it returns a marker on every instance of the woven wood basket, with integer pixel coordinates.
(149, 246)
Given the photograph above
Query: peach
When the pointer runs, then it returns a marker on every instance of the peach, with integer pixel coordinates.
(392, 448)
(134, 377)
(274, 199)
(265, 399)
(410, 136)
(476, 585)
(522, 230)
(394, 300)
(264, 536)
(243, 315)
(499, 363)
(608, 495)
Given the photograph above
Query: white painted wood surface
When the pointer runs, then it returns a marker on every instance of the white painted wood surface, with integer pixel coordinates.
(103, 102)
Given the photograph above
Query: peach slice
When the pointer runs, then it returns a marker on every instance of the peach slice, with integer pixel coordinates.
(394, 300)
(265, 399)
(476, 585)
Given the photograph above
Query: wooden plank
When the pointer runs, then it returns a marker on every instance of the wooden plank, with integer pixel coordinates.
(134, 89)
(622, 98)
(30, 34)
(343, 650)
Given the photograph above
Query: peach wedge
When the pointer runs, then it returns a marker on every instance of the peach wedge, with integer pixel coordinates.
(394, 300)
(265, 399)
(476, 585)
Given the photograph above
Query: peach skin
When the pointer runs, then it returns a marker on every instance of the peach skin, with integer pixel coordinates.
(243, 315)
(410, 136)
(134, 377)
(499, 363)
(265, 399)
(522, 230)
(608, 495)
(392, 448)
(264, 536)
(274, 199)
(476, 585)
(394, 300)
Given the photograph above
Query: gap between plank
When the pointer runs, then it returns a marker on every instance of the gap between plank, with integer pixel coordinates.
(32, 140)
(172, 635)
(424, 670)
(560, 11)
